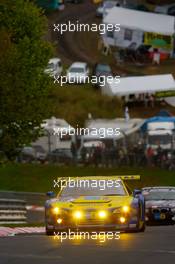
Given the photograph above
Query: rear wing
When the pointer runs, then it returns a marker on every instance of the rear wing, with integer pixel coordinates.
(122, 177)
(129, 177)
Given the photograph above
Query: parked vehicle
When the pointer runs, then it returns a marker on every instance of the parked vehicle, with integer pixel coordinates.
(78, 72)
(61, 155)
(49, 4)
(104, 8)
(74, 1)
(102, 69)
(34, 153)
(54, 67)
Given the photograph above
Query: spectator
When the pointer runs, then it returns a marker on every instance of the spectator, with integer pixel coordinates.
(156, 57)
(83, 154)
(97, 156)
(150, 155)
(146, 99)
(74, 152)
(152, 101)
(127, 116)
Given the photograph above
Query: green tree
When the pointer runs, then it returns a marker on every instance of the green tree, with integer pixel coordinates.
(24, 88)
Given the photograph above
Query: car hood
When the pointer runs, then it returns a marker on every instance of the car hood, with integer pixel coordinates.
(103, 73)
(89, 201)
(74, 74)
(160, 203)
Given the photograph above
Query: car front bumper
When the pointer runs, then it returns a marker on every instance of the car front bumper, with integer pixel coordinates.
(131, 224)
(159, 215)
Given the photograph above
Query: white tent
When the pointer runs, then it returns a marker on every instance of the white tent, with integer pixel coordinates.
(139, 20)
(140, 85)
(99, 128)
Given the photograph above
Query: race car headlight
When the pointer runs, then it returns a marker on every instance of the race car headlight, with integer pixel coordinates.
(122, 220)
(125, 209)
(77, 215)
(59, 220)
(102, 214)
(56, 210)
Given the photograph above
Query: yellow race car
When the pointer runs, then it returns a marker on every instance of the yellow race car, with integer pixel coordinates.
(95, 203)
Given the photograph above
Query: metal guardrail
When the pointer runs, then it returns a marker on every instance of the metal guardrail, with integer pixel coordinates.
(31, 198)
(12, 211)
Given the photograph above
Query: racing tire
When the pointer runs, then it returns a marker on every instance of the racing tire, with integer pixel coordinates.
(142, 229)
(49, 232)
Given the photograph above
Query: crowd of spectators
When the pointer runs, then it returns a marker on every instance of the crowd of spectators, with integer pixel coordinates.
(135, 155)
(129, 155)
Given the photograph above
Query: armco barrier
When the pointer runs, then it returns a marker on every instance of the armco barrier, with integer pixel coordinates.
(31, 198)
(12, 211)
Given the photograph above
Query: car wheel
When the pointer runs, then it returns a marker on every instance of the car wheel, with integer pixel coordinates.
(142, 229)
(49, 232)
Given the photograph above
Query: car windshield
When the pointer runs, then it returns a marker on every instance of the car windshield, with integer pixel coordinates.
(77, 70)
(93, 188)
(160, 194)
(50, 66)
(159, 139)
(103, 68)
(109, 4)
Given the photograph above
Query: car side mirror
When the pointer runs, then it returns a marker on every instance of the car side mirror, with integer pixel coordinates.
(50, 194)
(136, 192)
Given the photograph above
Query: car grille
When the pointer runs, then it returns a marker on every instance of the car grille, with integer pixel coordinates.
(91, 222)
(160, 210)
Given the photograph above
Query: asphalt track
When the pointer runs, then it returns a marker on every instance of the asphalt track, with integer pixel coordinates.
(155, 246)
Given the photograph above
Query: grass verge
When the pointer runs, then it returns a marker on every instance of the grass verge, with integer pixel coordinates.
(39, 178)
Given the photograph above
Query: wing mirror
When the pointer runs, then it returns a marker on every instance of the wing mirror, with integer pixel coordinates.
(136, 192)
(50, 194)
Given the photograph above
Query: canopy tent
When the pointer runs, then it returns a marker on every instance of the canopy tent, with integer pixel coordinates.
(140, 85)
(156, 119)
(139, 20)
